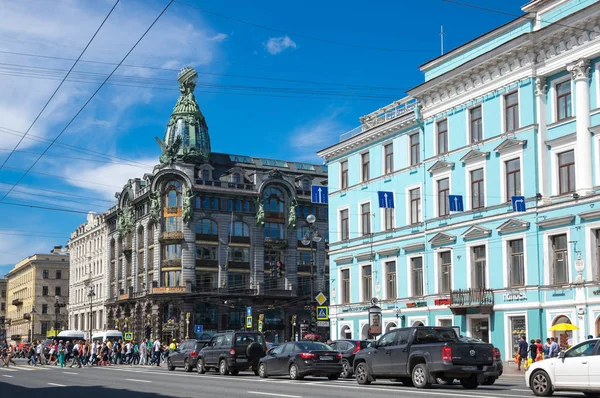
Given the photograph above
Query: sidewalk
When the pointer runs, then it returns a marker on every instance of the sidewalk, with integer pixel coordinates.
(510, 370)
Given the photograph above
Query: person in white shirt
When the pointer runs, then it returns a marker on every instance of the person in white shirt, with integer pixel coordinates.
(40, 354)
(144, 353)
(156, 353)
(94, 353)
(76, 353)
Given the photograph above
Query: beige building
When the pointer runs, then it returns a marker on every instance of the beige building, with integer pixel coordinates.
(36, 288)
(2, 309)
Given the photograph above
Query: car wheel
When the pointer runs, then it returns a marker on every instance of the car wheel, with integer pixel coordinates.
(262, 371)
(420, 376)
(170, 365)
(541, 384)
(362, 374)
(235, 372)
(346, 369)
(200, 366)
(186, 366)
(255, 370)
(223, 368)
(489, 381)
(471, 383)
(333, 377)
(294, 374)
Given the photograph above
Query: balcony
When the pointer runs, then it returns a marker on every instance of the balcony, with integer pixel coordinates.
(17, 302)
(273, 243)
(173, 236)
(482, 300)
(223, 184)
(175, 263)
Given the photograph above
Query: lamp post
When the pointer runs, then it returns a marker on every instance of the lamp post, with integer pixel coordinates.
(91, 295)
(32, 323)
(56, 312)
(312, 237)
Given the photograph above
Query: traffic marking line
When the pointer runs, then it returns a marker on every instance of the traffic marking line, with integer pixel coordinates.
(70, 373)
(274, 394)
(139, 381)
(56, 385)
(7, 375)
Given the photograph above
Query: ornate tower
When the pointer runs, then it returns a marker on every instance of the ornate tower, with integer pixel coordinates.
(186, 137)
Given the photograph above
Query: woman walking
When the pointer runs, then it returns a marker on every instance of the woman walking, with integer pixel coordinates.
(61, 354)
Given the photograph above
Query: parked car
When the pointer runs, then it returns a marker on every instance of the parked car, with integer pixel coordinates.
(577, 369)
(420, 355)
(186, 355)
(348, 349)
(301, 358)
(232, 351)
(491, 373)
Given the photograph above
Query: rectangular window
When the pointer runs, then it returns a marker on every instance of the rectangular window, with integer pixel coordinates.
(479, 267)
(364, 158)
(476, 130)
(415, 155)
(45, 326)
(44, 308)
(560, 264)
(516, 270)
(207, 252)
(389, 218)
(344, 225)
(45, 274)
(150, 258)
(365, 218)
(563, 100)
(389, 158)
(566, 172)
(44, 290)
(597, 276)
(511, 111)
(443, 189)
(171, 252)
(513, 178)
(442, 136)
(445, 272)
(477, 189)
(415, 205)
(345, 273)
(58, 274)
(57, 291)
(390, 277)
(416, 265)
(344, 174)
(367, 282)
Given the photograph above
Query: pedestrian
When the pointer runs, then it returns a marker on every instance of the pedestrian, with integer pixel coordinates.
(522, 352)
(61, 354)
(533, 350)
(94, 352)
(32, 355)
(143, 353)
(547, 348)
(136, 353)
(553, 348)
(540, 350)
(156, 352)
(76, 352)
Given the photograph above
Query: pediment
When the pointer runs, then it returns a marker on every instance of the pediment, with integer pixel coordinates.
(474, 154)
(440, 165)
(508, 144)
(388, 252)
(512, 225)
(413, 247)
(556, 221)
(343, 259)
(441, 239)
(590, 215)
(476, 232)
(364, 256)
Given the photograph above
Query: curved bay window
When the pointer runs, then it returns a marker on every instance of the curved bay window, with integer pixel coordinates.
(172, 210)
(274, 230)
(273, 201)
(151, 229)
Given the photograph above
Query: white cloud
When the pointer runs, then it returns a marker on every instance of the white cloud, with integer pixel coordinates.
(275, 45)
(14, 248)
(316, 135)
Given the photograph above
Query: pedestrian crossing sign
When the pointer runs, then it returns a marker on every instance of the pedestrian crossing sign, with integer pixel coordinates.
(128, 336)
(322, 313)
(249, 322)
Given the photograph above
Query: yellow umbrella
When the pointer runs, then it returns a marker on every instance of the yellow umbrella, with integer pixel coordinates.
(563, 327)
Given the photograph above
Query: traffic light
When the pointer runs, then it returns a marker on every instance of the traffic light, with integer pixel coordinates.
(148, 331)
(280, 270)
(313, 320)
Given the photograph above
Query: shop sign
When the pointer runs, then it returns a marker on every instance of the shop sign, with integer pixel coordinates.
(416, 304)
(445, 301)
(515, 296)
(355, 309)
(173, 289)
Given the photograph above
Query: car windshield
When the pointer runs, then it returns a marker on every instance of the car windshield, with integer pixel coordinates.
(247, 338)
(313, 346)
(435, 335)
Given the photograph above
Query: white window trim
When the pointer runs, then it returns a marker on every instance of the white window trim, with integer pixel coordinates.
(339, 222)
(384, 273)
(506, 257)
(408, 199)
(408, 148)
(504, 157)
(436, 178)
(341, 188)
(554, 152)
(436, 269)
(383, 171)
(479, 164)
(468, 125)
(548, 255)
(359, 212)
(361, 326)
(596, 150)
(469, 258)
(341, 295)
(341, 325)
(409, 274)
(470, 318)
(597, 76)
(435, 135)
(553, 94)
(382, 215)
(439, 318)
(360, 171)
(503, 108)
(568, 312)
(418, 318)
(360, 282)
(591, 251)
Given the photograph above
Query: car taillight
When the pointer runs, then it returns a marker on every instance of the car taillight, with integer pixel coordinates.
(307, 355)
(447, 354)
(357, 349)
(194, 354)
(232, 352)
(496, 353)
(338, 356)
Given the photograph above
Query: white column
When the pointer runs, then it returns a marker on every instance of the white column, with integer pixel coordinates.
(580, 70)
(541, 91)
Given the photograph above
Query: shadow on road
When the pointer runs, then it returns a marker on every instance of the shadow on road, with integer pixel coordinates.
(11, 390)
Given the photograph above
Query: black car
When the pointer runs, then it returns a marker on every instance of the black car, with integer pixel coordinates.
(348, 349)
(186, 355)
(301, 358)
(232, 351)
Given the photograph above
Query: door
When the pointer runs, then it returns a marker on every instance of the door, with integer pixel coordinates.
(399, 353)
(480, 329)
(289, 351)
(271, 362)
(381, 359)
(594, 368)
(573, 369)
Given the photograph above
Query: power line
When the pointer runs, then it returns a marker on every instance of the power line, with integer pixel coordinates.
(67, 210)
(87, 102)
(60, 85)
(57, 176)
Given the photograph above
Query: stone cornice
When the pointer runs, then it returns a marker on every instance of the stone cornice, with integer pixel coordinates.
(512, 225)
(476, 232)
(580, 69)
(441, 239)
(556, 221)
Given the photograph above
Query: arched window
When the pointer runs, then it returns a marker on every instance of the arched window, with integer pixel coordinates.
(305, 184)
(205, 175)
(206, 226)
(236, 178)
(273, 200)
(239, 228)
(151, 234)
(172, 194)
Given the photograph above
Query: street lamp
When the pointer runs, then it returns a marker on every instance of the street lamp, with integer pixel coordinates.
(308, 239)
(56, 312)
(32, 324)
(91, 295)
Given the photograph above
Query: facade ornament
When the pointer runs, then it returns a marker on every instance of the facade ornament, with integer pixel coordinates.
(580, 69)
(188, 206)
(541, 87)
(291, 221)
(260, 211)
(275, 174)
(155, 206)
(126, 220)
(169, 151)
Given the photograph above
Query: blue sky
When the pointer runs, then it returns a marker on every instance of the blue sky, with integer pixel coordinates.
(257, 88)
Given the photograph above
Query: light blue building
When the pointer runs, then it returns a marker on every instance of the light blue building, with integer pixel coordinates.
(513, 113)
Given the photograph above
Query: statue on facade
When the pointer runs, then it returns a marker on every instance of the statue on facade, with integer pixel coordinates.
(260, 211)
(169, 151)
(126, 220)
(291, 221)
(155, 206)
(188, 206)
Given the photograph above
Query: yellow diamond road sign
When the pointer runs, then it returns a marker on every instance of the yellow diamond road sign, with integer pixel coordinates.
(321, 298)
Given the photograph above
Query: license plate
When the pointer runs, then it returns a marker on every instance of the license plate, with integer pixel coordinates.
(326, 358)
(241, 360)
(469, 368)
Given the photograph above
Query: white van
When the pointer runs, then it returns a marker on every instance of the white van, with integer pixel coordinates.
(108, 335)
(70, 335)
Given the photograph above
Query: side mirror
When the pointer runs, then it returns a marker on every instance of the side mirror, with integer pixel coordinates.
(561, 354)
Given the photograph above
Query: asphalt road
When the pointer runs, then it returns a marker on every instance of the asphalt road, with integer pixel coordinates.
(152, 381)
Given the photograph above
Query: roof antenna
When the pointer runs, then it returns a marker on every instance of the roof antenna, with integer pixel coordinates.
(442, 38)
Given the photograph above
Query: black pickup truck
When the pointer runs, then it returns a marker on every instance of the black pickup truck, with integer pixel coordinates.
(421, 355)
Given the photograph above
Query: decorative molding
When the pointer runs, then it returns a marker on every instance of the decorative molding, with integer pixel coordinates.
(441, 239)
(413, 247)
(512, 225)
(589, 215)
(556, 221)
(344, 259)
(541, 87)
(440, 165)
(580, 69)
(388, 252)
(476, 232)
(364, 256)
(474, 154)
(509, 143)
(565, 139)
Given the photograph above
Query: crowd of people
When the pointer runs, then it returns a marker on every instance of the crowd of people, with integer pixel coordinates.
(81, 353)
(535, 350)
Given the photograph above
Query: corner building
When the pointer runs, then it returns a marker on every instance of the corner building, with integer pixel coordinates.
(514, 112)
(205, 235)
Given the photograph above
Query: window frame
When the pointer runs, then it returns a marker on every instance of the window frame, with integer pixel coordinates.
(365, 216)
(480, 185)
(391, 283)
(516, 177)
(415, 213)
(475, 262)
(510, 255)
(345, 294)
(366, 282)
(439, 133)
(572, 187)
(511, 112)
(413, 282)
(440, 268)
(344, 223)
(475, 121)
(388, 158)
(445, 199)
(365, 166)
(554, 254)
(414, 149)
(568, 98)
(344, 181)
